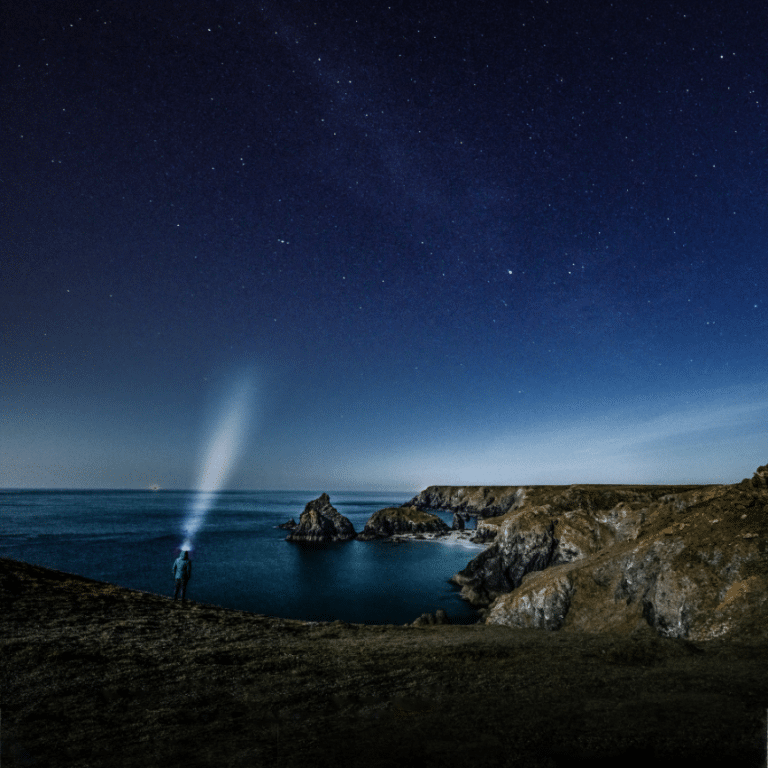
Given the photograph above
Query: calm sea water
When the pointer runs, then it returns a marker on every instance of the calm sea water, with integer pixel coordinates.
(240, 558)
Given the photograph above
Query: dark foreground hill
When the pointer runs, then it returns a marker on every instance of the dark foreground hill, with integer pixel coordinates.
(96, 675)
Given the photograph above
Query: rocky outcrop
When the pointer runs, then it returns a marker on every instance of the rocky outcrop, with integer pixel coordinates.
(476, 501)
(395, 521)
(484, 533)
(543, 606)
(686, 562)
(320, 521)
(289, 525)
(760, 478)
(554, 525)
(430, 619)
(525, 544)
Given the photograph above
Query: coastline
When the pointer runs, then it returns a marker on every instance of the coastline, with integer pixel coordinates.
(96, 674)
(133, 537)
(453, 538)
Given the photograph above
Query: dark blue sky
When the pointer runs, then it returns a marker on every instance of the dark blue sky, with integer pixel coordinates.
(449, 242)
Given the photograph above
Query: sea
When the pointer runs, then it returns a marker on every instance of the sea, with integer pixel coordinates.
(240, 558)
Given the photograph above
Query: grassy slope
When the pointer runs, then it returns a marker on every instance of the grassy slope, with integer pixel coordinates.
(93, 674)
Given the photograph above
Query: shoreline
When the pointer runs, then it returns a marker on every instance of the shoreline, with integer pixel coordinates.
(453, 538)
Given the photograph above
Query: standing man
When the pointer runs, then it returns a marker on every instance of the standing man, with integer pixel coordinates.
(182, 571)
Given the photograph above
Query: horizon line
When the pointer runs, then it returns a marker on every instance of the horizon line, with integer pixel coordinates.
(360, 490)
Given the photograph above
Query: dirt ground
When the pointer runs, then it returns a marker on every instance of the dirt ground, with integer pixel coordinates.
(96, 675)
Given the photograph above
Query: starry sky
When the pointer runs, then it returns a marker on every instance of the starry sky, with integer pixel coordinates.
(443, 242)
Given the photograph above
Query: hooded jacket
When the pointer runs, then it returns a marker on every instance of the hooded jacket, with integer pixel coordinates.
(182, 567)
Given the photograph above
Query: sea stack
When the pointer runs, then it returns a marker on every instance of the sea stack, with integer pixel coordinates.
(401, 520)
(320, 521)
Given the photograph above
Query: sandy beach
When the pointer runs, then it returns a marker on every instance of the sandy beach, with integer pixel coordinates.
(97, 675)
(453, 538)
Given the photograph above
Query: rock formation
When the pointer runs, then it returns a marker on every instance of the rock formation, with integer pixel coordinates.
(320, 521)
(484, 532)
(473, 501)
(430, 619)
(394, 521)
(760, 478)
(289, 525)
(687, 561)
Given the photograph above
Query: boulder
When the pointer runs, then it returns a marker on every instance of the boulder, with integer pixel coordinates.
(458, 522)
(320, 521)
(397, 521)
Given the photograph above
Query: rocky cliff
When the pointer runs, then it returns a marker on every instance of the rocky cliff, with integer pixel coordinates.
(479, 501)
(683, 561)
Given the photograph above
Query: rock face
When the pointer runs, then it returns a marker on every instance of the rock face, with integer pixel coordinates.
(476, 501)
(685, 561)
(320, 521)
(484, 532)
(395, 521)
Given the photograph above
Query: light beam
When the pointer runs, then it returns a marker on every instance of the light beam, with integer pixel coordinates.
(226, 443)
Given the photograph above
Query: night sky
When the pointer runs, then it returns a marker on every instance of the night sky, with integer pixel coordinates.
(445, 242)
